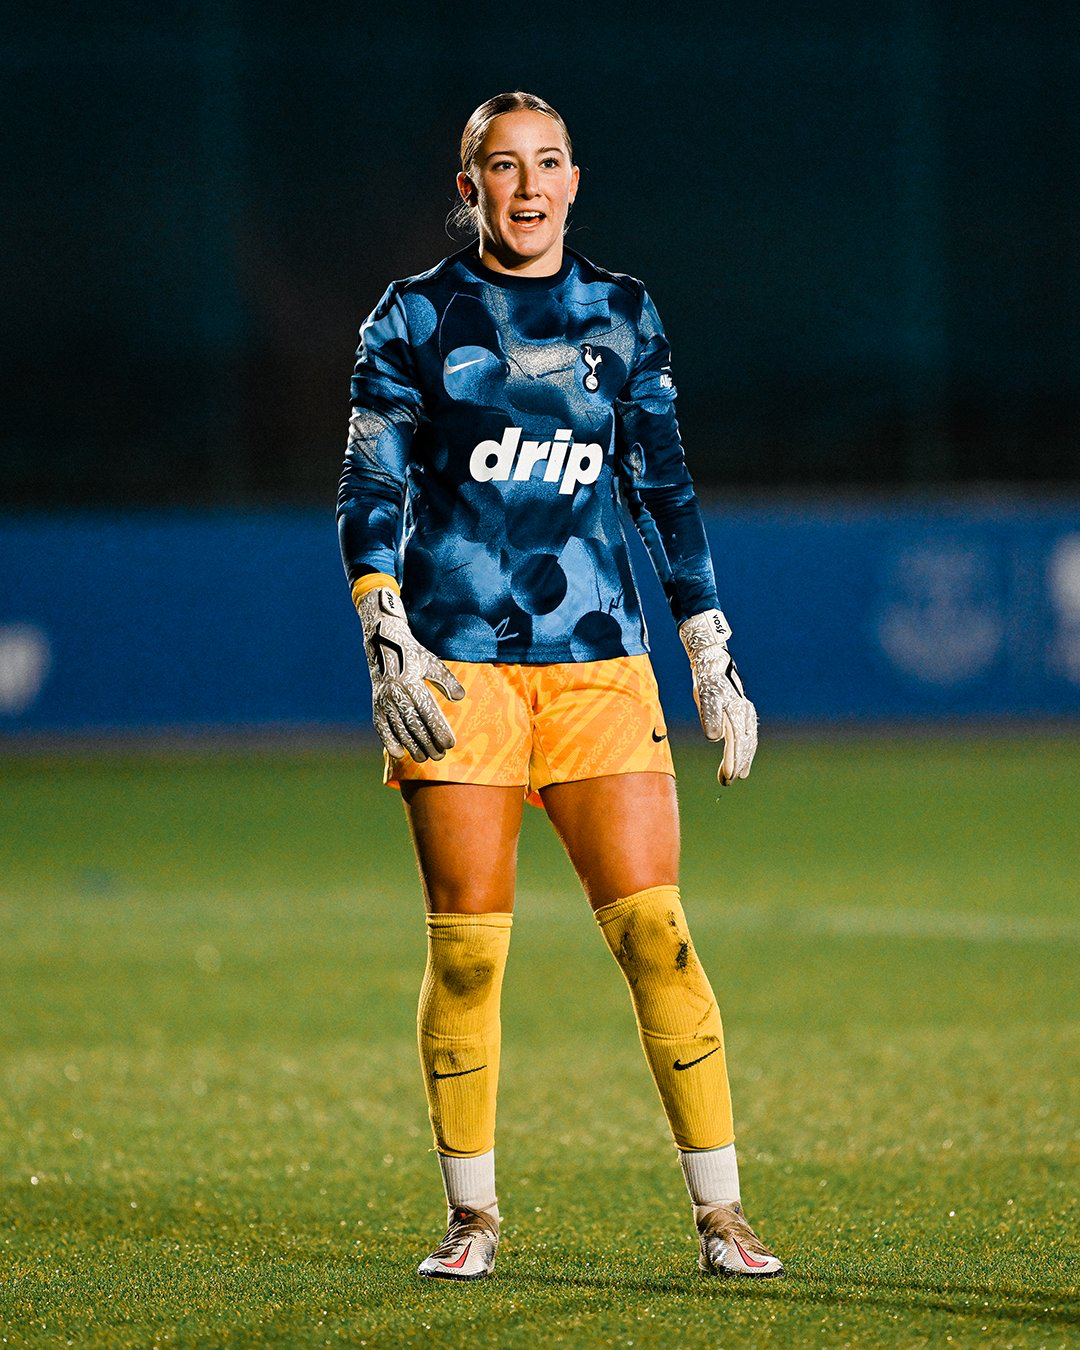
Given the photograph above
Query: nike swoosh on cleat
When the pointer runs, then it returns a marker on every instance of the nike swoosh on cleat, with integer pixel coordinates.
(459, 1073)
(658, 739)
(748, 1259)
(461, 366)
(456, 1265)
(680, 1065)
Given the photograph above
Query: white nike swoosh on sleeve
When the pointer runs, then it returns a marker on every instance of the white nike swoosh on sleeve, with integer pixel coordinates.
(474, 362)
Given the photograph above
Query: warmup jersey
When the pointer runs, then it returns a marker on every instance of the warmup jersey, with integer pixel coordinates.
(499, 423)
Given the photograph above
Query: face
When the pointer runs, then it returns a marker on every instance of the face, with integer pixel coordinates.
(522, 183)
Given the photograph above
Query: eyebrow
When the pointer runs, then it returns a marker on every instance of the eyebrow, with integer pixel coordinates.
(546, 150)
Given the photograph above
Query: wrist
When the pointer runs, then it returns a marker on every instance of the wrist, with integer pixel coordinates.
(381, 608)
(707, 629)
(373, 581)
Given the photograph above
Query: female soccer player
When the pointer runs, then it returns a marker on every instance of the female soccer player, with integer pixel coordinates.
(504, 402)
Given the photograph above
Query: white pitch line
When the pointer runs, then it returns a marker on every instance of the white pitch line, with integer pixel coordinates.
(547, 907)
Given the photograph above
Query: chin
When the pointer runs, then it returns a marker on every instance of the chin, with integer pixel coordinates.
(533, 248)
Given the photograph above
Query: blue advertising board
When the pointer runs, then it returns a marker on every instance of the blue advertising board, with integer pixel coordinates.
(198, 621)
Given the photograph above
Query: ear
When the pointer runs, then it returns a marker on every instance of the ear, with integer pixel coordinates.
(466, 188)
(574, 178)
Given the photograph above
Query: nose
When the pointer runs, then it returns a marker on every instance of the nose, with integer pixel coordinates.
(528, 185)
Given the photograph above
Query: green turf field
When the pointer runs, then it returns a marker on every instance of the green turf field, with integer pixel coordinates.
(212, 1127)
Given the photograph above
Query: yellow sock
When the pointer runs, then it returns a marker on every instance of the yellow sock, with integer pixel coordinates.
(676, 1012)
(458, 1028)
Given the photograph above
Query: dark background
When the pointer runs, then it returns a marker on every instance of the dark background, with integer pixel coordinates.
(858, 223)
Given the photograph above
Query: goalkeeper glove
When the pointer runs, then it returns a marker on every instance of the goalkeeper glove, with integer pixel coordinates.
(406, 716)
(726, 713)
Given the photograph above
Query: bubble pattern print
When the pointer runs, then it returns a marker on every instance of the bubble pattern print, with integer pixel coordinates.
(502, 428)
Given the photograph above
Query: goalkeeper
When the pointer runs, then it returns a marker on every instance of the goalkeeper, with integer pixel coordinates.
(504, 404)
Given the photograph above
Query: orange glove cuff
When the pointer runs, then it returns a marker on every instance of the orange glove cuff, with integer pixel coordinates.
(362, 585)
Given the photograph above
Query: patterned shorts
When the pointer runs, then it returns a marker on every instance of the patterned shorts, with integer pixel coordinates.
(530, 726)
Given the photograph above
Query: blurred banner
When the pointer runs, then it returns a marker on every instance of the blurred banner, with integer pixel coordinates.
(204, 622)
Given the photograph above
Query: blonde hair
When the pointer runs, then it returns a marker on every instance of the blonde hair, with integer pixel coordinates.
(463, 215)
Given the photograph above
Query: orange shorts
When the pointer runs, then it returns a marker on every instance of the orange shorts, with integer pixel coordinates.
(529, 726)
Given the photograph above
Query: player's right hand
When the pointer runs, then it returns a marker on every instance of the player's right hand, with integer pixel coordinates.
(407, 718)
(726, 713)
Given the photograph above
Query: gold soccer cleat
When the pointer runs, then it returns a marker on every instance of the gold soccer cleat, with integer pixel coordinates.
(467, 1252)
(729, 1246)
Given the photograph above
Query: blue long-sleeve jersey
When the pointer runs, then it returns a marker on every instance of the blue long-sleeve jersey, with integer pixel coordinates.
(498, 422)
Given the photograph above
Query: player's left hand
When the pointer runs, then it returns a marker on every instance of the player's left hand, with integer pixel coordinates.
(726, 713)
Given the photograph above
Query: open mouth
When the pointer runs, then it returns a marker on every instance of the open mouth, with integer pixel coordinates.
(527, 217)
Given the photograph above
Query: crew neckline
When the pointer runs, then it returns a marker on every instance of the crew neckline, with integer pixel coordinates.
(470, 259)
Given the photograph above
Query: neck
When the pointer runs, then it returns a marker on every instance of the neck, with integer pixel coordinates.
(546, 265)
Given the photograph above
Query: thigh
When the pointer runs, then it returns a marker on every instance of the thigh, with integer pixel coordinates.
(465, 836)
(621, 832)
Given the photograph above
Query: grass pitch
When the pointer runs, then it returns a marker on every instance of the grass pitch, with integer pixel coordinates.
(212, 1127)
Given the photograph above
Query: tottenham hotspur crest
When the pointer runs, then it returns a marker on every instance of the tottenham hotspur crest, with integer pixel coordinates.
(592, 380)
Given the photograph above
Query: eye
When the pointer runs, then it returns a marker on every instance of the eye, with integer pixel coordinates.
(552, 162)
(503, 164)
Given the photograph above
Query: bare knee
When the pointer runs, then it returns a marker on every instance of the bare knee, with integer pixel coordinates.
(465, 837)
(464, 895)
(621, 832)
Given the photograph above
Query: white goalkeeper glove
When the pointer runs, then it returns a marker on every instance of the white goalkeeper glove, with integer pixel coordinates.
(726, 713)
(407, 718)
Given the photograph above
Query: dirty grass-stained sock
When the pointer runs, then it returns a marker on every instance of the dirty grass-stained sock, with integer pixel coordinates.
(458, 1028)
(676, 1012)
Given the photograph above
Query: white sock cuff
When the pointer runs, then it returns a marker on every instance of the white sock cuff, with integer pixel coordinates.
(470, 1181)
(712, 1175)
